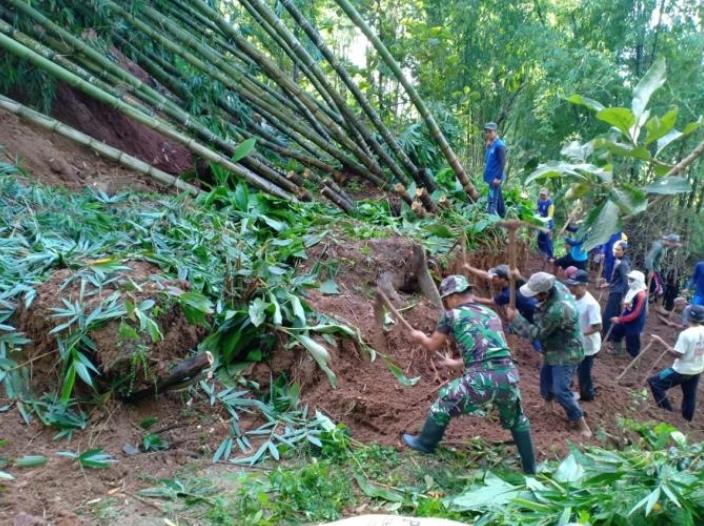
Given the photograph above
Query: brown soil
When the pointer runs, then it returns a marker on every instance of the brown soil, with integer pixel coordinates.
(54, 160)
(112, 127)
(377, 408)
(112, 355)
(368, 400)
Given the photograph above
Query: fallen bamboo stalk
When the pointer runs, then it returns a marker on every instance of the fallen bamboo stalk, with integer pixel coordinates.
(103, 149)
(634, 361)
(186, 370)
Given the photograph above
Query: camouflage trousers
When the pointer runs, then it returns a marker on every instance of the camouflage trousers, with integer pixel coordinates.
(478, 392)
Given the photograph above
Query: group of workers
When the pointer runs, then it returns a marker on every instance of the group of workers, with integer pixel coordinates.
(561, 319)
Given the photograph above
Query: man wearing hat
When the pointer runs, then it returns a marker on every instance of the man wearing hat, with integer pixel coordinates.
(490, 379)
(653, 265)
(494, 168)
(500, 281)
(556, 325)
(685, 371)
(589, 313)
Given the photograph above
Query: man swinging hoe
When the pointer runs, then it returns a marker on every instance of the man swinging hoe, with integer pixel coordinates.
(490, 378)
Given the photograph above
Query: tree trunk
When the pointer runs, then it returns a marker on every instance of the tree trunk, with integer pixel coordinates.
(415, 98)
(103, 149)
(358, 95)
(69, 78)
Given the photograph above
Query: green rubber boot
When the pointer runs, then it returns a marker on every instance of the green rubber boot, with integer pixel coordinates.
(524, 443)
(428, 439)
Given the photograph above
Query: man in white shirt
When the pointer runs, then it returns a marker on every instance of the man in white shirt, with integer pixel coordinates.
(685, 371)
(590, 323)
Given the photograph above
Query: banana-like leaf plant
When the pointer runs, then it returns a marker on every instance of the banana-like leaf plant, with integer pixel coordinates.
(614, 174)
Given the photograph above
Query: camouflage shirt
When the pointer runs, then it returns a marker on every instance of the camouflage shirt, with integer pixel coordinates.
(556, 325)
(478, 333)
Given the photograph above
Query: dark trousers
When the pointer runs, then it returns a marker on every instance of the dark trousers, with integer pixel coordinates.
(495, 201)
(584, 373)
(612, 308)
(632, 339)
(545, 244)
(555, 383)
(669, 378)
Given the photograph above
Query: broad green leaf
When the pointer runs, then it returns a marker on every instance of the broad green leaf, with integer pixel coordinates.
(577, 152)
(601, 223)
(440, 230)
(69, 381)
(626, 150)
(257, 311)
(692, 126)
(30, 461)
(329, 288)
(494, 494)
(653, 79)
(375, 492)
(399, 374)
(242, 197)
(630, 200)
(658, 127)
(553, 169)
(666, 140)
(277, 318)
(668, 186)
(569, 471)
(621, 118)
(243, 149)
(320, 355)
(298, 309)
(585, 101)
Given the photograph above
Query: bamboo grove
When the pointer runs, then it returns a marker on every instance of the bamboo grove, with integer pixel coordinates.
(217, 89)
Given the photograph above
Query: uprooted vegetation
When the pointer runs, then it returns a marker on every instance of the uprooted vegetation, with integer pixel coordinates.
(109, 294)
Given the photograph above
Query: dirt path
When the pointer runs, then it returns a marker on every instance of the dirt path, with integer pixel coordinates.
(54, 160)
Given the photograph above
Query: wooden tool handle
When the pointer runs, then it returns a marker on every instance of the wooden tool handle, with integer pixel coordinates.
(393, 310)
(634, 361)
(655, 364)
(512, 268)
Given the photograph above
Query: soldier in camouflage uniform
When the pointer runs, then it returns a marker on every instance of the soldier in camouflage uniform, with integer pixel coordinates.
(490, 379)
(556, 325)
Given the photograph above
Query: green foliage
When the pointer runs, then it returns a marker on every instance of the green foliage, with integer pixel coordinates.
(597, 486)
(91, 459)
(627, 165)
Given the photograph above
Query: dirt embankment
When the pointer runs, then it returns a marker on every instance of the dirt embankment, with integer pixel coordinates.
(376, 408)
(368, 400)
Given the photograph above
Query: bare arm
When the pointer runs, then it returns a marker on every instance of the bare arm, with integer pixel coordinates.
(477, 272)
(432, 343)
(593, 329)
(485, 301)
(670, 349)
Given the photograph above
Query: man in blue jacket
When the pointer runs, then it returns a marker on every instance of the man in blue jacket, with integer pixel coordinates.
(494, 168)
(696, 283)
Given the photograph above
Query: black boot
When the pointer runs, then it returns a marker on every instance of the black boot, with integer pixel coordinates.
(428, 439)
(524, 443)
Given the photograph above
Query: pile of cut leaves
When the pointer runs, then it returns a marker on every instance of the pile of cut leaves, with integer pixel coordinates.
(237, 253)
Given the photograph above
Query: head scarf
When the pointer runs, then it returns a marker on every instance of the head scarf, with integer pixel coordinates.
(636, 283)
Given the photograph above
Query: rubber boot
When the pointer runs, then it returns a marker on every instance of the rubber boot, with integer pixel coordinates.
(524, 443)
(428, 439)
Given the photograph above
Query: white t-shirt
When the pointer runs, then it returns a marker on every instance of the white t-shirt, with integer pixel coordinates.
(589, 314)
(690, 344)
